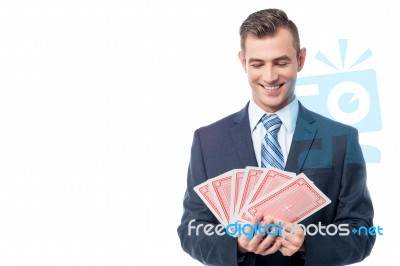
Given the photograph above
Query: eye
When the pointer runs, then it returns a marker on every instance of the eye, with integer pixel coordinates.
(256, 65)
(282, 64)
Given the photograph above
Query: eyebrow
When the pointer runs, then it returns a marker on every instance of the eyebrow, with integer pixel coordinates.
(281, 58)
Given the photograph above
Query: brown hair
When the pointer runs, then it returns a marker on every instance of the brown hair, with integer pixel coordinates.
(265, 23)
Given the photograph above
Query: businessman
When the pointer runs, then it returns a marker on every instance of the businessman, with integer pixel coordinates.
(304, 142)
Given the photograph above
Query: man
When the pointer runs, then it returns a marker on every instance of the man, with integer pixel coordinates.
(326, 151)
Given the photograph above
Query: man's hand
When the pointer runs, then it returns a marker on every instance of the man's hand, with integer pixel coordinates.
(292, 242)
(259, 244)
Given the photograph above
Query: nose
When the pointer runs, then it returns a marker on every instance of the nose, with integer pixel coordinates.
(269, 75)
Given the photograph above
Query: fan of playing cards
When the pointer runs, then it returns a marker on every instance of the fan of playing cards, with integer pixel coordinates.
(239, 194)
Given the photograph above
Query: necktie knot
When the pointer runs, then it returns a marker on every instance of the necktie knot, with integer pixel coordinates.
(271, 152)
(272, 123)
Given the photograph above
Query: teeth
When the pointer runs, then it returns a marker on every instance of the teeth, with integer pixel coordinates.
(271, 88)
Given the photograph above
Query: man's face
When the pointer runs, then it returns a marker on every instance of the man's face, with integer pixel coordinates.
(271, 65)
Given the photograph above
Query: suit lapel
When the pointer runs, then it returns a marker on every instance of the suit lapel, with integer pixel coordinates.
(242, 141)
(303, 138)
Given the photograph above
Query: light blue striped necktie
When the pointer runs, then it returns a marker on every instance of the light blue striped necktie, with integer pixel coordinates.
(271, 152)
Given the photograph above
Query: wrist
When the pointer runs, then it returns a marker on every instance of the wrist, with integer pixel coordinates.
(303, 247)
(240, 250)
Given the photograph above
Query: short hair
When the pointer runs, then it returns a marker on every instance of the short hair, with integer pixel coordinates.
(265, 23)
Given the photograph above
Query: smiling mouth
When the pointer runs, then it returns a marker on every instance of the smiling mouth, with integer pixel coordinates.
(272, 88)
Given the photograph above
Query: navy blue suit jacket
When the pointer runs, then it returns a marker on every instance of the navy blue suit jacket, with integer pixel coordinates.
(326, 151)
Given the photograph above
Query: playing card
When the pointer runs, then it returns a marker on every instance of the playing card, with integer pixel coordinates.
(269, 180)
(291, 202)
(244, 217)
(250, 178)
(203, 190)
(237, 177)
(220, 188)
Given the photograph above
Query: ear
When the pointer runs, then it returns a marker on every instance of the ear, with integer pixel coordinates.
(242, 59)
(301, 59)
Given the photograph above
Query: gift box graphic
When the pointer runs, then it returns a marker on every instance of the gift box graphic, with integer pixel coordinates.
(350, 97)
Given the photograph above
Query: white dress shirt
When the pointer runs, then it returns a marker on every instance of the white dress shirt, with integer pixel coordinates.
(288, 116)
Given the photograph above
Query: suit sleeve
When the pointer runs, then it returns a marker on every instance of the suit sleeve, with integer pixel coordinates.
(354, 207)
(208, 249)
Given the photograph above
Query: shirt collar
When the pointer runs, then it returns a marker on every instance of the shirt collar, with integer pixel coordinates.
(288, 115)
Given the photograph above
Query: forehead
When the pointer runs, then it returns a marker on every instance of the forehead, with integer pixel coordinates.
(272, 46)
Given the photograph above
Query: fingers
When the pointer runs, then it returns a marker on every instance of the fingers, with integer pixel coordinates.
(261, 237)
(247, 241)
(263, 241)
(265, 238)
(276, 245)
(292, 243)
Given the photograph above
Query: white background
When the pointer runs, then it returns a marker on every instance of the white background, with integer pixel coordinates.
(99, 101)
